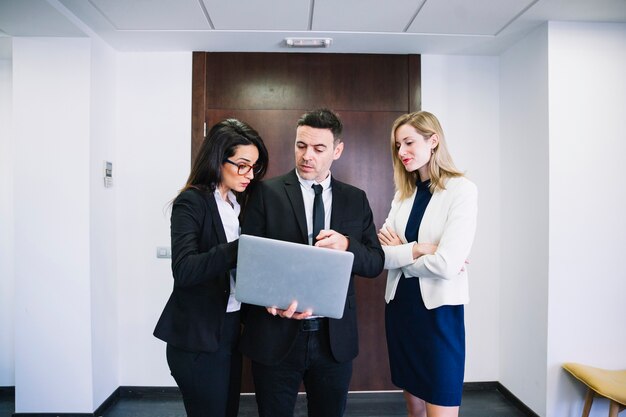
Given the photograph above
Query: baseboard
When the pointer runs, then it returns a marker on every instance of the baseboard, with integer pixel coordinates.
(174, 392)
(7, 392)
(518, 403)
(480, 386)
(53, 414)
(108, 403)
(138, 392)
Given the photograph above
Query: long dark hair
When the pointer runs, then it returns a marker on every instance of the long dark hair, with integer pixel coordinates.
(221, 143)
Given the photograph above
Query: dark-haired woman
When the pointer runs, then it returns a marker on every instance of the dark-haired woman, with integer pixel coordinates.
(201, 320)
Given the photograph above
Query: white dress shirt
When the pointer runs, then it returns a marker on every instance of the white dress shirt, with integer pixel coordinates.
(229, 213)
(308, 195)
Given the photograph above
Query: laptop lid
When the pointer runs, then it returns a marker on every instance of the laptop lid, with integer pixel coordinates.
(274, 273)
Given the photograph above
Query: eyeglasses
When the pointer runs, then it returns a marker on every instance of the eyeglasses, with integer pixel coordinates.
(243, 169)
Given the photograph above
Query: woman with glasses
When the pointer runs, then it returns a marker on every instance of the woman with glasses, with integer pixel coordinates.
(426, 239)
(201, 320)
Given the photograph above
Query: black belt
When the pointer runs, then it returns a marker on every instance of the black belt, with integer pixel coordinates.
(312, 325)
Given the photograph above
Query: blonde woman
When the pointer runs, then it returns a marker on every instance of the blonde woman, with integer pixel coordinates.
(427, 238)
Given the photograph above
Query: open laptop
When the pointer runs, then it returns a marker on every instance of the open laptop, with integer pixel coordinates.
(274, 273)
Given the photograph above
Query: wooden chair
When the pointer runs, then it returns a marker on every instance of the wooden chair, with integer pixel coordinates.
(602, 382)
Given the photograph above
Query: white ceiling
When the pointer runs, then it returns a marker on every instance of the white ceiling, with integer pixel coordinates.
(483, 27)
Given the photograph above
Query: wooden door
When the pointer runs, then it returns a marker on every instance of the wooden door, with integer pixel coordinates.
(270, 91)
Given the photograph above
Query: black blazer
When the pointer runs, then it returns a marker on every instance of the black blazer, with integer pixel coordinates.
(201, 261)
(276, 210)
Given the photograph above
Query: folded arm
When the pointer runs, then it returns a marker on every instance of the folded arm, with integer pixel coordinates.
(449, 258)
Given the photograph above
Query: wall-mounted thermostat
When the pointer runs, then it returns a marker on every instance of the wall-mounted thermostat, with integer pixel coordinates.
(108, 174)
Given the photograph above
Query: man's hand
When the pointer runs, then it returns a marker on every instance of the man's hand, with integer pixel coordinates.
(331, 239)
(290, 313)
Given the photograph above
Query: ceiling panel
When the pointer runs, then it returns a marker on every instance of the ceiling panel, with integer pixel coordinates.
(35, 18)
(476, 17)
(356, 26)
(364, 15)
(259, 15)
(153, 14)
(579, 10)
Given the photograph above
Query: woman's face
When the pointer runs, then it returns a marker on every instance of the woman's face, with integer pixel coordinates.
(413, 150)
(245, 157)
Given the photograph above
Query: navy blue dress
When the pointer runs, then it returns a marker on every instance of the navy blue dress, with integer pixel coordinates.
(426, 347)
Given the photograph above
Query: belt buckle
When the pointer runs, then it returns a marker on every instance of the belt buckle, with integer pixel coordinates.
(310, 325)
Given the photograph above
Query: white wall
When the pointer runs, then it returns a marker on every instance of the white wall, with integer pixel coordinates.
(563, 96)
(152, 164)
(7, 282)
(587, 204)
(61, 147)
(463, 93)
(51, 98)
(102, 223)
(524, 219)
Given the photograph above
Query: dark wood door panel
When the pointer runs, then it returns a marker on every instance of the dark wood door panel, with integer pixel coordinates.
(307, 81)
(270, 92)
(366, 159)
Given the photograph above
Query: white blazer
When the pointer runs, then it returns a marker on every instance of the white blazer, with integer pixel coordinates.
(450, 223)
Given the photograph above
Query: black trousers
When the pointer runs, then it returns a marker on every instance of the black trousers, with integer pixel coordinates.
(310, 361)
(210, 381)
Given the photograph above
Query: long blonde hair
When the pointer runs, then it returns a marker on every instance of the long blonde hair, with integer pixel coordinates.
(440, 166)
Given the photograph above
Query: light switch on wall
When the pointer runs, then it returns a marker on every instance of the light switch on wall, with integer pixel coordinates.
(107, 173)
(164, 252)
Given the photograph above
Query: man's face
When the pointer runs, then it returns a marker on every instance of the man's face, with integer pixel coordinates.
(315, 152)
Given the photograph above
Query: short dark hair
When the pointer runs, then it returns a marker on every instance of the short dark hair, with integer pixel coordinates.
(323, 119)
(220, 144)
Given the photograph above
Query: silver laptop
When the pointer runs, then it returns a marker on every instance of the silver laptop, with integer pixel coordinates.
(274, 273)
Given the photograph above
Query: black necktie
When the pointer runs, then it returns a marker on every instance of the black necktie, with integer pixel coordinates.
(318, 211)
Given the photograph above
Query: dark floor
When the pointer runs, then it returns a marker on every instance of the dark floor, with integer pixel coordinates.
(476, 403)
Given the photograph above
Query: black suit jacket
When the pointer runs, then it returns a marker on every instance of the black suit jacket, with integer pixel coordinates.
(276, 210)
(201, 261)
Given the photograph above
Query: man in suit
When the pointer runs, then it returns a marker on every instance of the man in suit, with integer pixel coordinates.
(289, 347)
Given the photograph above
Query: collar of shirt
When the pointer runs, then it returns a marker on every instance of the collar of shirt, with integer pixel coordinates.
(306, 184)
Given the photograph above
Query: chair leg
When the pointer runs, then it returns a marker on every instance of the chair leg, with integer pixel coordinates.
(615, 408)
(588, 402)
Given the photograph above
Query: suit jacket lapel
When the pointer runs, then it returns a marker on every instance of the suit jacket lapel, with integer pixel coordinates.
(294, 193)
(340, 202)
(215, 218)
